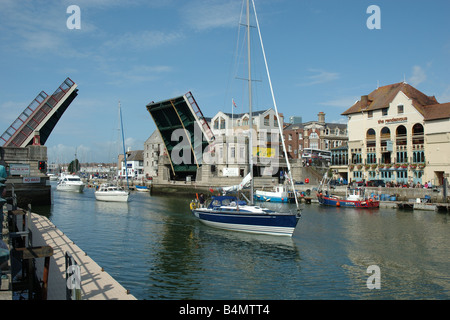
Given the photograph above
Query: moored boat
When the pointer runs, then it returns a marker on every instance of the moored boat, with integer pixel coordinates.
(141, 188)
(278, 193)
(355, 198)
(110, 192)
(70, 182)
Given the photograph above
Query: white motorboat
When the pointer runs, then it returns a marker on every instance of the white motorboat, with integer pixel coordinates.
(70, 182)
(110, 192)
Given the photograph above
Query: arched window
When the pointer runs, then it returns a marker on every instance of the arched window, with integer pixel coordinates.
(417, 134)
(401, 135)
(371, 138)
(385, 136)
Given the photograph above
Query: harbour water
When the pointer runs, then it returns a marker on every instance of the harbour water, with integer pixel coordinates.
(155, 248)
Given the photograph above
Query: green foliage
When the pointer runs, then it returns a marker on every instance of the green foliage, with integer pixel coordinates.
(74, 166)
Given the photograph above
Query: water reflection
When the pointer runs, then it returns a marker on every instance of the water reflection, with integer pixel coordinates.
(157, 249)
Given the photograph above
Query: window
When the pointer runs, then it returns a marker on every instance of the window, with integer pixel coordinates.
(245, 122)
(242, 152)
(313, 135)
(384, 111)
(267, 120)
(402, 156)
(400, 109)
(371, 158)
(290, 137)
(356, 158)
(233, 152)
(370, 114)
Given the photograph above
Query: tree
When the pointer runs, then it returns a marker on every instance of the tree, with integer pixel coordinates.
(74, 166)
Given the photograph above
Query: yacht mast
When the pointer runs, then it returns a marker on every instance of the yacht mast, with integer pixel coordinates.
(280, 127)
(123, 144)
(250, 142)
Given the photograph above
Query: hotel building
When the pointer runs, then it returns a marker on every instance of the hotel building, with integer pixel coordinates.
(398, 134)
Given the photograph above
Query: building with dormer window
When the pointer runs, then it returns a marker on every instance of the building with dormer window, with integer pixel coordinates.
(398, 134)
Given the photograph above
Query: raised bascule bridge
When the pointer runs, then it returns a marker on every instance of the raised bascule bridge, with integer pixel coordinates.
(24, 143)
(41, 115)
(182, 116)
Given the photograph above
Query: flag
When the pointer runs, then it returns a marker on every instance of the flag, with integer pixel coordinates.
(234, 103)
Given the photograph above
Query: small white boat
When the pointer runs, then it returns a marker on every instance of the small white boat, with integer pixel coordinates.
(142, 188)
(110, 192)
(278, 193)
(70, 182)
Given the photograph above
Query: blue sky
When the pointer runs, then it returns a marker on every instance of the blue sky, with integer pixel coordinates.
(321, 56)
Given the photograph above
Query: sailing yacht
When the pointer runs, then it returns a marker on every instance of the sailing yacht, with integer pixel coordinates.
(109, 191)
(230, 213)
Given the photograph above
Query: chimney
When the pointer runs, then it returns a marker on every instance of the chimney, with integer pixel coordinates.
(364, 102)
(321, 116)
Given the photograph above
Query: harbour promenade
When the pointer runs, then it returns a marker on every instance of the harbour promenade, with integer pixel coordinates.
(95, 284)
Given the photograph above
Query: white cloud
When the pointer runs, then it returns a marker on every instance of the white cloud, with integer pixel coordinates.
(345, 102)
(418, 76)
(135, 74)
(445, 96)
(207, 14)
(143, 40)
(320, 76)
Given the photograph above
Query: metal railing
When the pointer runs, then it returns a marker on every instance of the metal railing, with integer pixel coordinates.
(73, 278)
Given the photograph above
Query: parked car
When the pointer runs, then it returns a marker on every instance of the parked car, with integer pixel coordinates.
(376, 183)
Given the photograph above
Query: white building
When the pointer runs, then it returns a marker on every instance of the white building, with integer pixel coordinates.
(399, 134)
(135, 165)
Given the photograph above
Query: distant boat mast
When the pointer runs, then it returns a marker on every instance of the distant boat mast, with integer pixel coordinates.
(123, 144)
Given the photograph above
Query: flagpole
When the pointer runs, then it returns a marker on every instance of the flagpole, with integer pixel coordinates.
(232, 113)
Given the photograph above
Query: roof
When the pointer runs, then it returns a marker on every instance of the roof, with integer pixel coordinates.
(329, 125)
(137, 155)
(437, 111)
(240, 115)
(383, 96)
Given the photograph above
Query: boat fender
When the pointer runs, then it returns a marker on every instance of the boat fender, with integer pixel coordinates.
(338, 204)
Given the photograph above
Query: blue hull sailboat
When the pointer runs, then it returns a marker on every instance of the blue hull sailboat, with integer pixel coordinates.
(227, 212)
(230, 213)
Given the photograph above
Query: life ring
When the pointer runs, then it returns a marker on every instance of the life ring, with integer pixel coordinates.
(193, 205)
